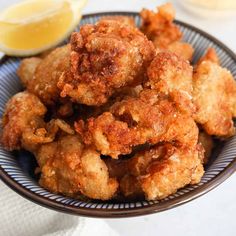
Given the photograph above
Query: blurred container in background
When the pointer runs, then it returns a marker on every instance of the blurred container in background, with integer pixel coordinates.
(210, 8)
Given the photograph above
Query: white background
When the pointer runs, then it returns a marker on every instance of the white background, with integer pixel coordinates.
(213, 213)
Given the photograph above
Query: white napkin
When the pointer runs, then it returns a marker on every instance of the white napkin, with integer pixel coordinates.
(19, 216)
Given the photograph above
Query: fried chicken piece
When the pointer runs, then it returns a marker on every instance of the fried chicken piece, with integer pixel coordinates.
(105, 57)
(210, 55)
(159, 26)
(168, 72)
(23, 124)
(214, 94)
(182, 49)
(40, 76)
(32, 138)
(69, 168)
(162, 170)
(207, 142)
(27, 68)
(149, 118)
(122, 19)
(110, 136)
(160, 29)
(23, 114)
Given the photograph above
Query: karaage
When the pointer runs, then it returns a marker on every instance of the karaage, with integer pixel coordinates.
(150, 118)
(105, 57)
(168, 72)
(182, 49)
(159, 27)
(23, 124)
(27, 68)
(68, 167)
(23, 115)
(162, 170)
(41, 76)
(161, 30)
(214, 94)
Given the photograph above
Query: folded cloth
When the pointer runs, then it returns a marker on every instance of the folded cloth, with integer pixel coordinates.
(18, 216)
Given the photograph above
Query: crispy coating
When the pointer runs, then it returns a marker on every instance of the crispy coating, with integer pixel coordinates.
(69, 168)
(147, 119)
(159, 27)
(152, 113)
(83, 112)
(162, 170)
(22, 116)
(207, 142)
(182, 49)
(122, 19)
(210, 55)
(214, 94)
(34, 136)
(46, 75)
(105, 57)
(110, 136)
(168, 72)
(27, 68)
(23, 124)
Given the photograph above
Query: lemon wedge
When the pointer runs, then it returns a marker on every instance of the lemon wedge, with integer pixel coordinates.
(33, 26)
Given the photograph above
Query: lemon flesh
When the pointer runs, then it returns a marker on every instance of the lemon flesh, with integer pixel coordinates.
(34, 26)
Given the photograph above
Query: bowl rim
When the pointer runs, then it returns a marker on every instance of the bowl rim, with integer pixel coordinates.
(137, 211)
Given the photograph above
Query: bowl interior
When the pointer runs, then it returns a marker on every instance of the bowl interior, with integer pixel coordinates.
(17, 168)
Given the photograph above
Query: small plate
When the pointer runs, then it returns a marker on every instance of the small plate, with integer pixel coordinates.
(17, 168)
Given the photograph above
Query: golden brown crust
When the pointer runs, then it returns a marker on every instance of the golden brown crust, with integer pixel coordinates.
(182, 49)
(105, 57)
(168, 72)
(27, 69)
(161, 30)
(133, 121)
(214, 96)
(68, 167)
(24, 126)
(162, 170)
(159, 27)
(23, 114)
(44, 82)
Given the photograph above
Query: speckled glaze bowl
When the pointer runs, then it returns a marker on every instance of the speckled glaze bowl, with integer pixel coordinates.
(17, 168)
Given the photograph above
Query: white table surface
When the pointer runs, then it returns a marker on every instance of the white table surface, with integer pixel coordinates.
(213, 213)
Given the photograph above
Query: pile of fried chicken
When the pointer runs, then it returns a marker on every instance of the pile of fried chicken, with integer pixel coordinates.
(120, 112)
